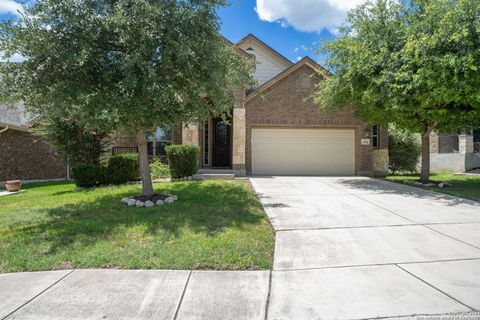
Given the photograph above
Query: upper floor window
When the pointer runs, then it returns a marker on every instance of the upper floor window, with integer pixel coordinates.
(375, 136)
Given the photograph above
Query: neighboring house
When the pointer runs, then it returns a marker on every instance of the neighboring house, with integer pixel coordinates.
(277, 129)
(455, 152)
(23, 155)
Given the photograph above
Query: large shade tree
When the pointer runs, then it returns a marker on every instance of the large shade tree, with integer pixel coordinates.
(414, 63)
(134, 63)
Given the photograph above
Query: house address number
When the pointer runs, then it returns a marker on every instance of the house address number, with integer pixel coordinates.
(365, 142)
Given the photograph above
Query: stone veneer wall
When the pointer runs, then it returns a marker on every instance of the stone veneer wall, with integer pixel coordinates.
(434, 141)
(288, 104)
(239, 134)
(190, 135)
(238, 141)
(25, 156)
(380, 162)
(380, 155)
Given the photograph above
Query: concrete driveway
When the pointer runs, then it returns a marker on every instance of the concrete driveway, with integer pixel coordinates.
(359, 248)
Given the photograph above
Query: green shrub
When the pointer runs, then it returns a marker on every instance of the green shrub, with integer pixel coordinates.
(123, 168)
(403, 151)
(183, 160)
(90, 175)
(159, 169)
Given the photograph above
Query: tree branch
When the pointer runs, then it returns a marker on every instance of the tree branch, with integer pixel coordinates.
(429, 129)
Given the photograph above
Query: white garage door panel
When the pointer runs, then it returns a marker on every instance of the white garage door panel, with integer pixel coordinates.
(303, 151)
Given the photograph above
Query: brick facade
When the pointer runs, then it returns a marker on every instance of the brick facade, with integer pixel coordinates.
(25, 156)
(289, 104)
(177, 134)
(124, 138)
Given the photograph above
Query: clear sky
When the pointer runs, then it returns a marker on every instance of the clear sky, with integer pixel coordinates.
(295, 28)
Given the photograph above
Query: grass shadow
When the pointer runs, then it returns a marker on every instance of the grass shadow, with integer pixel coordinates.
(377, 186)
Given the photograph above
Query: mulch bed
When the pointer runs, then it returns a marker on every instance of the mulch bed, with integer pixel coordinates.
(153, 198)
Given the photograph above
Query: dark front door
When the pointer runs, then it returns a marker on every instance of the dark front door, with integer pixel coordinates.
(221, 144)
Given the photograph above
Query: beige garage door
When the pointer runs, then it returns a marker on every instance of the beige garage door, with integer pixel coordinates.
(303, 152)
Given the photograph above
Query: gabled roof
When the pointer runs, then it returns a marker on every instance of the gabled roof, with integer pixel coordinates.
(237, 48)
(266, 46)
(306, 61)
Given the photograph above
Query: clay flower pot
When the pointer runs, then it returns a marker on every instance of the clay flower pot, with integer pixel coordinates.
(13, 185)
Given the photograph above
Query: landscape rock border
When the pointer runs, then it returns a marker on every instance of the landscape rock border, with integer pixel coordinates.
(430, 184)
(189, 178)
(132, 202)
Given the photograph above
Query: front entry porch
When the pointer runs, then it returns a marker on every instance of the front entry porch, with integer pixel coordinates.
(214, 174)
(222, 145)
(215, 150)
(216, 144)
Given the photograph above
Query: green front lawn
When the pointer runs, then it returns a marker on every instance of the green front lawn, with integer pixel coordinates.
(462, 186)
(213, 225)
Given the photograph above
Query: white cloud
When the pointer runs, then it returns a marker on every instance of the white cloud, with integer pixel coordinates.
(10, 6)
(301, 52)
(306, 15)
(301, 48)
(15, 58)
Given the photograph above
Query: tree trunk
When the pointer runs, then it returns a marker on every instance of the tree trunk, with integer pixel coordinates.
(143, 163)
(425, 169)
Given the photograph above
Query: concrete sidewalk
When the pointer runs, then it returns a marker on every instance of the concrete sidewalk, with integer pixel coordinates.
(134, 294)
